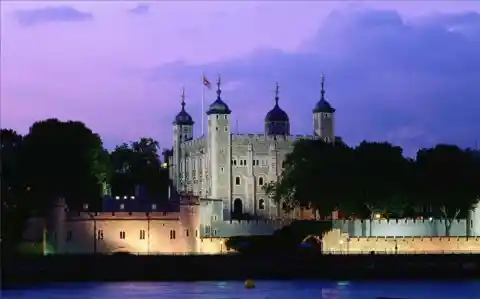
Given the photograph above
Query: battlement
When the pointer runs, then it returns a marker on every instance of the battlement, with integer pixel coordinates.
(78, 216)
(335, 241)
(242, 228)
(397, 221)
(264, 137)
(403, 227)
(194, 145)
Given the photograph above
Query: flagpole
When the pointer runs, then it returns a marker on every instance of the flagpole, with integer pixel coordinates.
(203, 102)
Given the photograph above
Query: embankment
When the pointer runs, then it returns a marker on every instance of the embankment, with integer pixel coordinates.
(69, 268)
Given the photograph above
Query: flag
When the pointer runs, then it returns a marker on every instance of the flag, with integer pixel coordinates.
(206, 82)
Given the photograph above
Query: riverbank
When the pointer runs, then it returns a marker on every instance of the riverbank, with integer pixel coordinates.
(69, 268)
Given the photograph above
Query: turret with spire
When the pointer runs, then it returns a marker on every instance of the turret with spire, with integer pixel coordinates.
(276, 120)
(218, 106)
(323, 116)
(183, 118)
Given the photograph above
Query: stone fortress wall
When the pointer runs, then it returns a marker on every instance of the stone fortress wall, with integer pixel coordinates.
(404, 236)
(401, 227)
(192, 230)
(336, 242)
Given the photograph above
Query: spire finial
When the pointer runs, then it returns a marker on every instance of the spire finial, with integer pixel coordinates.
(276, 93)
(219, 81)
(323, 86)
(183, 98)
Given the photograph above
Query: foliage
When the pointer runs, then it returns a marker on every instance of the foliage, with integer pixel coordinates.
(64, 159)
(138, 164)
(375, 178)
(449, 182)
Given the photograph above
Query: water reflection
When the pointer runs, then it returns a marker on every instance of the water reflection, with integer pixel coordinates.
(263, 290)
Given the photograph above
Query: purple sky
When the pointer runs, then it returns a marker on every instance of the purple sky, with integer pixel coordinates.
(407, 72)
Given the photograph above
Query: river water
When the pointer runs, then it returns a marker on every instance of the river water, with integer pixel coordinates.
(263, 290)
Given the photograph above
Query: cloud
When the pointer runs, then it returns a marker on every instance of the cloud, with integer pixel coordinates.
(30, 17)
(413, 82)
(140, 9)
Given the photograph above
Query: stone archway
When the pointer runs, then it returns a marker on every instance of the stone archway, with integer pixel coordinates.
(237, 207)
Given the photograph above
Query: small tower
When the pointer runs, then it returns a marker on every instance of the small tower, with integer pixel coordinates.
(219, 147)
(182, 131)
(276, 120)
(323, 117)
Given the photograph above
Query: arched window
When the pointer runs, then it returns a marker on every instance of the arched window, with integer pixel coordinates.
(260, 181)
(237, 207)
(237, 180)
(261, 204)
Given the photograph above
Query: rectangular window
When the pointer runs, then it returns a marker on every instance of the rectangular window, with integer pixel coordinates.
(172, 234)
(214, 232)
(142, 234)
(186, 233)
(122, 235)
(69, 236)
(100, 234)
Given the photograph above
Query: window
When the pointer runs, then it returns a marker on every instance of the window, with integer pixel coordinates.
(196, 233)
(237, 180)
(260, 181)
(217, 129)
(122, 235)
(172, 234)
(154, 206)
(100, 234)
(122, 206)
(222, 170)
(245, 162)
(225, 129)
(186, 233)
(241, 162)
(142, 234)
(225, 116)
(69, 236)
(261, 204)
(85, 206)
(214, 232)
(217, 116)
(234, 162)
(256, 162)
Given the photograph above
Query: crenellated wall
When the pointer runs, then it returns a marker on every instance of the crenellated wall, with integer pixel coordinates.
(336, 242)
(234, 228)
(401, 227)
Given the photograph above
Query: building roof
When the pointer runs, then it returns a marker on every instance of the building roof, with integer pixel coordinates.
(183, 118)
(323, 106)
(218, 106)
(276, 114)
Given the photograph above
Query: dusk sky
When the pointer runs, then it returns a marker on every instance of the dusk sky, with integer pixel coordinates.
(407, 71)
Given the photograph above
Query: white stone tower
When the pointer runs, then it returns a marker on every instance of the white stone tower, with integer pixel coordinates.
(219, 136)
(323, 117)
(182, 131)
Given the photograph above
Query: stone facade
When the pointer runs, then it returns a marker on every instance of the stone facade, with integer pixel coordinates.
(336, 242)
(233, 168)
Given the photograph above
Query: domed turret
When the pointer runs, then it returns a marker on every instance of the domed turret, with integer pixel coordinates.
(276, 120)
(218, 106)
(323, 106)
(183, 118)
(323, 117)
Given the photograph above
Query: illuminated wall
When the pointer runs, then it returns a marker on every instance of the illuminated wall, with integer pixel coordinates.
(336, 242)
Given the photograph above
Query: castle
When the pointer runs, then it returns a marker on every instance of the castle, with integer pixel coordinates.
(217, 192)
(233, 168)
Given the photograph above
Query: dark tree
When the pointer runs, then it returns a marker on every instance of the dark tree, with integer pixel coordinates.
(382, 179)
(138, 163)
(15, 210)
(448, 181)
(64, 159)
(314, 176)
